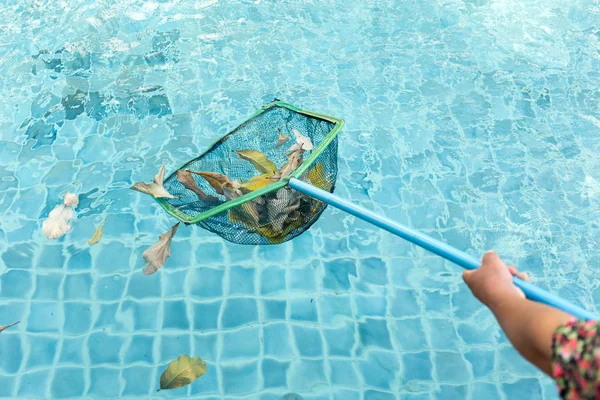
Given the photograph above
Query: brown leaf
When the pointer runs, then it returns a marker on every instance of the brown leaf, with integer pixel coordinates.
(3, 327)
(156, 188)
(157, 254)
(187, 180)
(283, 139)
(215, 180)
(294, 159)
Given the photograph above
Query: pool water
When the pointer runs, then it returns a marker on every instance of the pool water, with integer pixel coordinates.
(475, 121)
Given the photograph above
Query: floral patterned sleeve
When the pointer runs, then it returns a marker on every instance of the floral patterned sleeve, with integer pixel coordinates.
(576, 359)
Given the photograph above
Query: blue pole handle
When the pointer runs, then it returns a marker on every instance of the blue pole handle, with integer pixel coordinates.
(435, 246)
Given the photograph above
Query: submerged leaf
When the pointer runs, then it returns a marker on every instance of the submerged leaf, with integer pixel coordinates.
(303, 143)
(215, 180)
(156, 188)
(259, 160)
(157, 254)
(3, 327)
(283, 139)
(182, 372)
(57, 223)
(187, 180)
(257, 182)
(97, 235)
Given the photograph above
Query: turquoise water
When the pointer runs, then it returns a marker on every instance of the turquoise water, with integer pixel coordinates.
(475, 121)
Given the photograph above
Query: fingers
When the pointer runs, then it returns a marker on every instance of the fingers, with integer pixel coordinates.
(467, 274)
(490, 257)
(521, 275)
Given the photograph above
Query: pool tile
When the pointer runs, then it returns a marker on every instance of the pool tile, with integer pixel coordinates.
(277, 341)
(308, 341)
(42, 351)
(206, 315)
(343, 372)
(305, 374)
(241, 378)
(68, 382)
(34, 384)
(239, 311)
(275, 373)
(243, 343)
(303, 309)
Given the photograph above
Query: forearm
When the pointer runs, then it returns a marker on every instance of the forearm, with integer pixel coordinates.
(529, 327)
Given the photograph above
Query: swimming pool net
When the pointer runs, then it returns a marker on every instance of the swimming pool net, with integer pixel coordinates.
(255, 205)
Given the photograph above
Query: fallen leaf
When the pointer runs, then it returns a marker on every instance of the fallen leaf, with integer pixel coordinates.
(246, 214)
(257, 182)
(155, 189)
(231, 192)
(3, 327)
(57, 223)
(187, 180)
(182, 372)
(303, 143)
(157, 254)
(215, 180)
(283, 139)
(259, 160)
(280, 207)
(294, 160)
(97, 235)
(318, 177)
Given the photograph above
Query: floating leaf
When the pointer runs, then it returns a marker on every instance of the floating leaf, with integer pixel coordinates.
(3, 327)
(215, 180)
(187, 180)
(97, 235)
(182, 372)
(259, 160)
(155, 189)
(157, 254)
(294, 160)
(303, 143)
(283, 139)
(257, 182)
(57, 223)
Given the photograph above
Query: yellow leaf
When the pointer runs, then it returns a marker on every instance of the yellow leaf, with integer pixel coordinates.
(97, 235)
(256, 182)
(259, 160)
(318, 177)
(182, 372)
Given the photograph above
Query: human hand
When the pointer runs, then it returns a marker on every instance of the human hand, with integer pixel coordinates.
(492, 282)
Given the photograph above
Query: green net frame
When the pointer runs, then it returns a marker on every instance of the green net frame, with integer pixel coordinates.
(259, 132)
